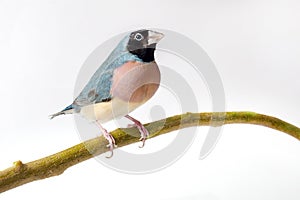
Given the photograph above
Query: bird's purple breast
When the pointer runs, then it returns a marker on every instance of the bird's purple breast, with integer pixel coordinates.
(135, 82)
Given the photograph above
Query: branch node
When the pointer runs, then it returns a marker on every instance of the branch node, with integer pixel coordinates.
(18, 165)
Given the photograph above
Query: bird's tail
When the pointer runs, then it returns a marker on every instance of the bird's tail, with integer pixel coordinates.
(67, 110)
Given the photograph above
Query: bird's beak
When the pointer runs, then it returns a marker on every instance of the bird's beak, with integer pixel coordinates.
(154, 37)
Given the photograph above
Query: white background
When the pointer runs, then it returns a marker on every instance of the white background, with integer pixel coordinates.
(254, 45)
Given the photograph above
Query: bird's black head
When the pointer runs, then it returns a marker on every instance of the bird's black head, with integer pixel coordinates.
(142, 43)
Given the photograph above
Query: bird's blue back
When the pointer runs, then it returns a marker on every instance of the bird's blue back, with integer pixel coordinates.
(98, 88)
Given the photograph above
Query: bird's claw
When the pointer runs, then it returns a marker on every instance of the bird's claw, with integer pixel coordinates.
(111, 143)
(143, 140)
(111, 149)
(131, 125)
(144, 134)
(143, 131)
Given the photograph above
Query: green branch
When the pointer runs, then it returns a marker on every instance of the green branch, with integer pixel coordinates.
(56, 164)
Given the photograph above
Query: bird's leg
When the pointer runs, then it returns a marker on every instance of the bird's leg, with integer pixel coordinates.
(109, 138)
(144, 132)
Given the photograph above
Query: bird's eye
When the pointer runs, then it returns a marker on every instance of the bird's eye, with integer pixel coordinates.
(138, 37)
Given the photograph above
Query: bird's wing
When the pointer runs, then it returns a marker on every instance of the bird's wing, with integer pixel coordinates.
(98, 89)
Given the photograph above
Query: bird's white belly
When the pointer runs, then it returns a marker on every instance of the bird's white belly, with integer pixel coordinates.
(106, 111)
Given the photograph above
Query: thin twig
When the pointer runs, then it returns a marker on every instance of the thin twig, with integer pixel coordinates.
(56, 164)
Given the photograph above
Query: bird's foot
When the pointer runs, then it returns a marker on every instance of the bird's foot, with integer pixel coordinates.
(111, 143)
(110, 139)
(143, 131)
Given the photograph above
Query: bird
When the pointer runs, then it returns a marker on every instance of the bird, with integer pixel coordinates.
(127, 79)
